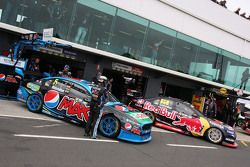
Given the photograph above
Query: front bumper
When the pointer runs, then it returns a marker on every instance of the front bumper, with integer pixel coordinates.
(131, 137)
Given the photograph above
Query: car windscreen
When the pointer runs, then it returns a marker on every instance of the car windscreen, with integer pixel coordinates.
(112, 98)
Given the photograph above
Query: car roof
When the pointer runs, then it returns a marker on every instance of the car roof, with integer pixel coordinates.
(87, 85)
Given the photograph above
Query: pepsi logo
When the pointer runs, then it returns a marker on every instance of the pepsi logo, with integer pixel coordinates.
(128, 126)
(2, 77)
(51, 99)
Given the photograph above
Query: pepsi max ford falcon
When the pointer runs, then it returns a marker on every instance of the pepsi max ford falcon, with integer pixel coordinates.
(179, 116)
(68, 99)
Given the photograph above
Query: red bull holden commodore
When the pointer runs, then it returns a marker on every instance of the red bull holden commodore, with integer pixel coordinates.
(68, 99)
(179, 116)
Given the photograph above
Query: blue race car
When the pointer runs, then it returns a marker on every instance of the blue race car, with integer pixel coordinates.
(68, 99)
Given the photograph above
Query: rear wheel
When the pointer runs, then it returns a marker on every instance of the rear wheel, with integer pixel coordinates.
(35, 103)
(110, 126)
(150, 114)
(214, 135)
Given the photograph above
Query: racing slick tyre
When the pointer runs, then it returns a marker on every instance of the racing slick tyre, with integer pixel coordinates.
(35, 103)
(214, 135)
(150, 114)
(110, 126)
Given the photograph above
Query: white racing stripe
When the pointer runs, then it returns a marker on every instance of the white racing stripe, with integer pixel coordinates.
(44, 126)
(26, 117)
(154, 129)
(190, 146)
(64, 138)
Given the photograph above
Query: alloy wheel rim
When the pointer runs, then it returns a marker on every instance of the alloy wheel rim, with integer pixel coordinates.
(109, 125)
(215, 135)
(34, 102)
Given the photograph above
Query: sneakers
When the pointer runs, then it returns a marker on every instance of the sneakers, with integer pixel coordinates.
(93, 137)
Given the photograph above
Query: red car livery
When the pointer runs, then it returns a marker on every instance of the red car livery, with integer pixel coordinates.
(177, 115)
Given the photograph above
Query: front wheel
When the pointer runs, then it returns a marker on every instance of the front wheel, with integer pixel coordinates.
(35, 103)
(110, 126)
(150, 114)
(214, 135)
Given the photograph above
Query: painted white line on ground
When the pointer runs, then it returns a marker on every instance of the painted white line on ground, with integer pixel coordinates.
(154, 129)
(26, 117)
(44, 126)
(64, 138)
(190, 146)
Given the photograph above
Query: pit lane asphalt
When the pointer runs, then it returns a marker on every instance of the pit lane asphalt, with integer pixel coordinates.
(19, 151)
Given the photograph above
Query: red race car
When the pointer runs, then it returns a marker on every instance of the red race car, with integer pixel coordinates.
(180, 116)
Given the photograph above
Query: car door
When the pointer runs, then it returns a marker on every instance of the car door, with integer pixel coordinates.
(74, 103)
(165, 110)
(187, 119)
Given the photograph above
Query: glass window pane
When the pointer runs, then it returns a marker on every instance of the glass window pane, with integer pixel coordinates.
(207, 65)
(40, 14)
(243, 75)
(159, 45)
(128, 35)
(209, 47)
(184, 55)
(11, 11)
(188, 39)
(92, 24)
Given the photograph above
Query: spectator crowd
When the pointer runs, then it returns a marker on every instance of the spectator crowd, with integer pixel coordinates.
(238, 11)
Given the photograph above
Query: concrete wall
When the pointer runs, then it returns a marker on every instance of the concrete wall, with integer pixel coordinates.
(201, 19)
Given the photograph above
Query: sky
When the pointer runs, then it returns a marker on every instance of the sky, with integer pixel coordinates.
(243, 4)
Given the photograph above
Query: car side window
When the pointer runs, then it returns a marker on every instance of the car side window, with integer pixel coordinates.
(154, 101)
(48, 83)
(181, 108)
(62, 86)
(166, 103)
(80, 93)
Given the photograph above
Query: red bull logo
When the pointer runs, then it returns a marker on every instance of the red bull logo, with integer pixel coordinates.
(192, 124)
(74, 108)
(160, 110)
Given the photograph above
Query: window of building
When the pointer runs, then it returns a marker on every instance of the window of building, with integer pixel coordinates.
(185, 51)
(159, 45)
(40, 14)
(128, 35)
(92, 24)
(10, 10)
(207, 63)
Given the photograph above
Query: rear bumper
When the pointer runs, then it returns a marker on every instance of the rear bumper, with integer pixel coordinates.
(128, 136)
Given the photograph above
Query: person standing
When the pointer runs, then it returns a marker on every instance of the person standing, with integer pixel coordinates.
(109, 85)
(65, 72)
(244, 79)
(155, 50)
(99, 98)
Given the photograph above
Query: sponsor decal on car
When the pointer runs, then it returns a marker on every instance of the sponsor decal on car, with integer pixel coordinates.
(192, 124)
(139, 115)
(160, 110)
(136, 131)
(51, 99)
(2, 77)
(128, 126)
(33, 87)
(10, 79)
(74, 108)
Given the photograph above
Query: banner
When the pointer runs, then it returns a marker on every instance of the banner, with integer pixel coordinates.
(198, 102)
(48, 34)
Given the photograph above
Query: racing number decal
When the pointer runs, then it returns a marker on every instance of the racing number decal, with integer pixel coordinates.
(164, 102)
